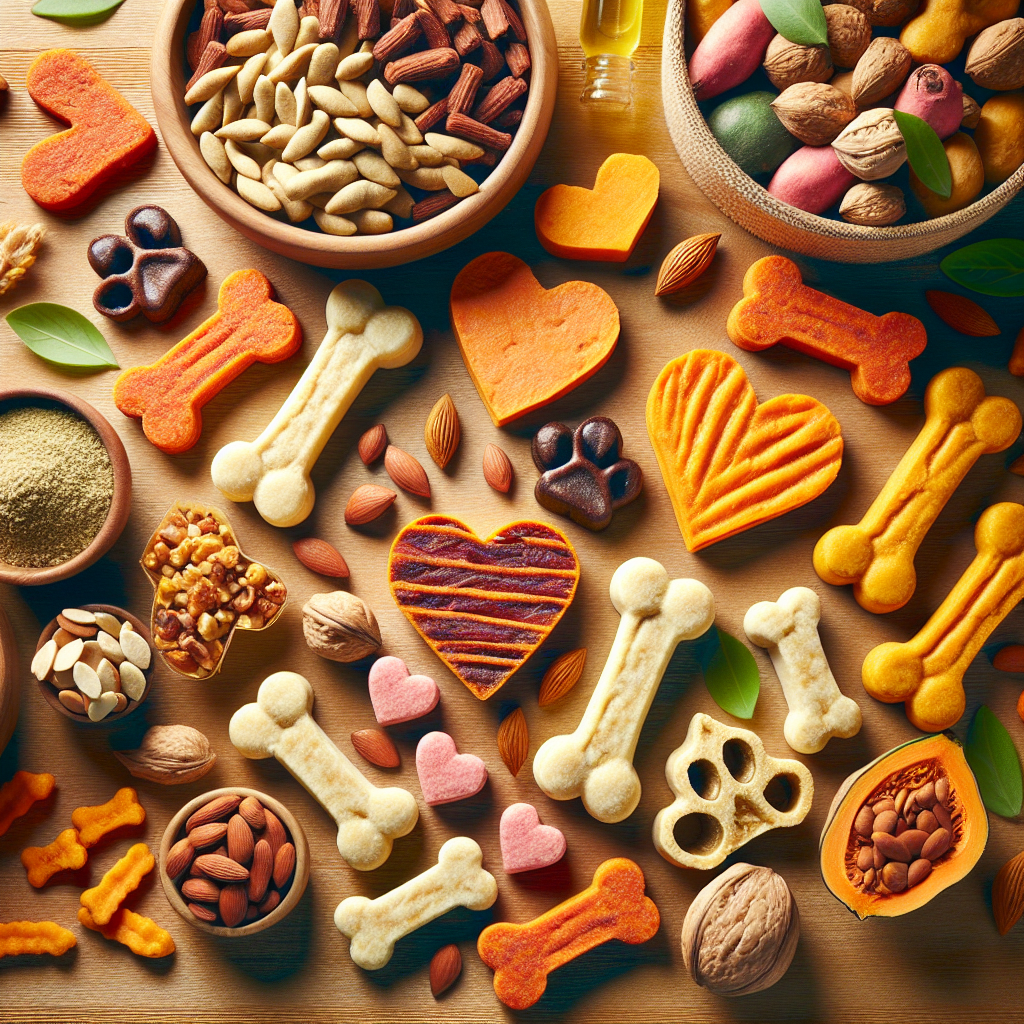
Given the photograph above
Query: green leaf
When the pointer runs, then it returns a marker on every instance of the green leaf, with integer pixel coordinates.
(731, 675)
(993, 267)
(799, 21)
(925, 153)
(61, 335)
(993, 759)
(76, 12)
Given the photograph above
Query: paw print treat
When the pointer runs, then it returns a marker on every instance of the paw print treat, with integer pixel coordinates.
(147, 272)
(583, 475)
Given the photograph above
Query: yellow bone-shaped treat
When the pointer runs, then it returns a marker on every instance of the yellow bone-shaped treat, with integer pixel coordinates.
(93, 823)
(20, 792)
(20, 937)
(143, 936)
(103, 900)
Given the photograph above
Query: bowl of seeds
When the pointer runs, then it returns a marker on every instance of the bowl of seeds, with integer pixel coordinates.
(65, 486)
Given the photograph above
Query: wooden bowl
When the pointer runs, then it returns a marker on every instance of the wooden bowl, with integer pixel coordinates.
(740, 197)
(10, 684)
(358, 251)
(120, 505)
(49, 692)
(176, 830)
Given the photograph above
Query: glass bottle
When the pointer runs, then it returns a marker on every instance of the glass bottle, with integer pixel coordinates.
(609, 35)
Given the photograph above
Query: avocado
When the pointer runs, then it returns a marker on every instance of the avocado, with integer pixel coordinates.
(748, 130)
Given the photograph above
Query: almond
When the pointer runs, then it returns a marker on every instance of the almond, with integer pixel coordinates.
(221, 868)
(252, 810)
(202, 890)
(275, 833)
(445, 968)
(1008, 894)
(406, 472)
(367, 503)
(320, 557)
(962, 314)
(686, 262)
(179, 858)
(498, 470)
(1009, 658)
(233, 904)
(262, 869)
(219, 807)
(442, 432)
(269, 904)
(562, 675)
(514, 740)
(284, 865)
(207, 835)
(207, 914)
(372, 444)
(377, 747)
(240, 840)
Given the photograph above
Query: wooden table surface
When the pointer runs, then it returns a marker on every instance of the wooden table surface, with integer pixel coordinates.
(946, 957)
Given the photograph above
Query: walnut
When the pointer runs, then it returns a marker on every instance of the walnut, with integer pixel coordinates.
(849, 33)
(787, 63)
(814, 112)
(880, 71)
(871, 145)
(340, 627)
(873, 203)
(170, 755)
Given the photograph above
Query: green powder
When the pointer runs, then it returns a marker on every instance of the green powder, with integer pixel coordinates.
(56, 486)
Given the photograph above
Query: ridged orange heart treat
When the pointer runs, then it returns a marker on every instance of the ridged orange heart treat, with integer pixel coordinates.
(65, 853)
(524, 345)
(20, 792)
(729, 463)
(121, 810)
(248, 327)
(143, 936)
(107, 133)
(612, 907)
(778, 308)
(602, 223)
(484, 606)
(103, 900)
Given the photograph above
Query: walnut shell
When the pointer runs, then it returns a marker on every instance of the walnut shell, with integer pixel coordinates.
(787, 63)
(849, 33)
(340, 627)
(972, 113)
(741, 931)
(996, 57)
(814, 112)
(170, 755)
(873, 203)
(886, 12)
(880, 71)
(871, 145)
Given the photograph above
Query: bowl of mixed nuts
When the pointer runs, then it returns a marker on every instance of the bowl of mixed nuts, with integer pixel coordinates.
(355, 135)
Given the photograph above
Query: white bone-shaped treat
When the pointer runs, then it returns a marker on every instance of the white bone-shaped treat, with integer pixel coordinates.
(279, 725)
(273, 471)
(596, 761)
(456, 880)
(788, 630)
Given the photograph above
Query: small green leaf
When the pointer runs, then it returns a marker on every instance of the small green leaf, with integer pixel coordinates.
(992, 267)
(993, 759)
(76, 12)
(925, 153)
(799, 21)
(60, 335)
(731, 675)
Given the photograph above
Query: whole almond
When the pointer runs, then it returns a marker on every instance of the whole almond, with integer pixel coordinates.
(377, 747)
(562, 675)
(218, 808)
(234, 902)
(284, 865)
(209, 834)
(320, 557)
(1009, 658)
(1008, 894)
(270, 902)
(514, 740)
(274, 833)
(962, 314)
(686, 262)
(372, 444)
(207, 914)
(406, 472)
(367, 503)
(221, 868)
(442, 432)
(261, 870)
(240, 840)
(252, 810)
(498, 470)
(445, 968)
(202, 890)
(179, 858)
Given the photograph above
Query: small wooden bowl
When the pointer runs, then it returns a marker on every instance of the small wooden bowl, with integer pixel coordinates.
(120, 505)
(49, 692)
(10, 684)
(175, 830)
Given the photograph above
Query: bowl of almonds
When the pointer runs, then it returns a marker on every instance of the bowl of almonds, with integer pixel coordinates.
(355, 135)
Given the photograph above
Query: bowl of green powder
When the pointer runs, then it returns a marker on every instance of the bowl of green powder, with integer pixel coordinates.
(65, 485)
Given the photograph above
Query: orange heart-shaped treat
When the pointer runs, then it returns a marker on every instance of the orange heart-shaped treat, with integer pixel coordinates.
(729, 463)
(484, 606)
(525, 346)
(602, 223)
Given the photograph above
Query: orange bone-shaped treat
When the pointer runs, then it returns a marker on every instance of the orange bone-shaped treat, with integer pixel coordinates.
(20, 792)
(103, 900)
(143, 936)
(248, 327)
(777, 307)
(93, 823)
(65, 853)
(106, 135)
(612, 907)
(21, 937)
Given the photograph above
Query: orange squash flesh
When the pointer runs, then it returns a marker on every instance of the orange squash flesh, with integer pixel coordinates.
(917, 759)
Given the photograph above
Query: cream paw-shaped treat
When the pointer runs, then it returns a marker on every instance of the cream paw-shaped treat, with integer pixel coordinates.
(788, 630)
(596, 761)
(458, 879)
(279, 725)
(363, 334)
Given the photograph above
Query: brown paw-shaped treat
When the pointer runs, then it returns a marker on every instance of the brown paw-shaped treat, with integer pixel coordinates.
(149, 272)
(583, 475)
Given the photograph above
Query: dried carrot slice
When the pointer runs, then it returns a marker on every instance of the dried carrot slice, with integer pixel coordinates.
(19, 793)
(103, 900)
(141, 935)
(65, 853)
(93, 823)
(20, 937)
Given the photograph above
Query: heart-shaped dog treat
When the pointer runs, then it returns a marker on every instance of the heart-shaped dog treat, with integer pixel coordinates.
(484, 606)
(525, 346)
(397, 696)
(526, 844)
(729, 463)
(445, 774)
(602, 223)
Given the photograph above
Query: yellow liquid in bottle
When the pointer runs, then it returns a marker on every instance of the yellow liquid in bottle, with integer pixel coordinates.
(609, 36)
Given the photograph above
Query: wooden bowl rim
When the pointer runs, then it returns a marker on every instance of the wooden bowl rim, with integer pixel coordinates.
(299, 879)
(120, 503)
(50, 694)
(10, 683)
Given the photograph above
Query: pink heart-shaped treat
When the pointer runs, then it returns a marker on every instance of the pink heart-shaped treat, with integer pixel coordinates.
(526, 844)
(397, 696)
(445, 774)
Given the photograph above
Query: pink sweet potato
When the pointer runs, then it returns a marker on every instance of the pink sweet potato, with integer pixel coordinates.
(812, 179)
(732, 50)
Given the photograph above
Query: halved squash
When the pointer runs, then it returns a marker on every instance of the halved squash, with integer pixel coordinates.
(906, 767)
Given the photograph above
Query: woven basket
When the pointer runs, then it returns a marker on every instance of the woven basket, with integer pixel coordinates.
(740, 197)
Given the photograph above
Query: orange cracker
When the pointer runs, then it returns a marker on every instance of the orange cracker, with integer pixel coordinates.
(19, 793)
(20, 937)
(103, 900)
(93, 823)
(65, 853)
(141, 935)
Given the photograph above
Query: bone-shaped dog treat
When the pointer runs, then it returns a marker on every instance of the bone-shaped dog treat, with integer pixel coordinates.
(273, 471)
(279, 725)
(927, 671)
(877, 555)
(248, 327)
(721, 777)
(456, 880)
(778, 307)
(788, 629)
(596, 761)
(612, 907)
